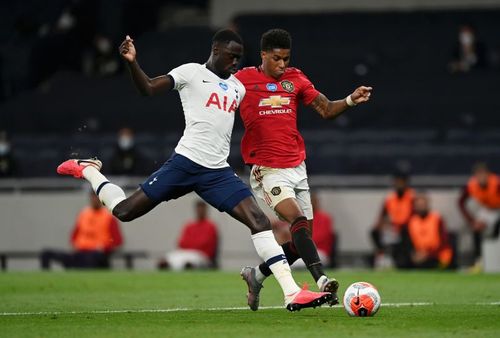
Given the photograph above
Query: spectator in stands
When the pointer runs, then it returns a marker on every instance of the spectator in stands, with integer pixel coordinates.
(468, 52)
(426, 238)
(126, 160)
(8, 166)
(323, 234)
(386, 233)
(197, 244)
(95, 236)
(480, 206)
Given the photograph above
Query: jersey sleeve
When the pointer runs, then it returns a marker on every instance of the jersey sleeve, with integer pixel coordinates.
(183, 74)
(307, 91)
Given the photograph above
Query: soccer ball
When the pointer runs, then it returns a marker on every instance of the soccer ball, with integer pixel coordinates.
(361, 299)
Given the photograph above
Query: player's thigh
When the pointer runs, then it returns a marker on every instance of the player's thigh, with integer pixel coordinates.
(304, 201)
(221, 188)
(173, 180)
(302, 191)
(248, 212)
(134, 206)
(302, 205)
(272, 185)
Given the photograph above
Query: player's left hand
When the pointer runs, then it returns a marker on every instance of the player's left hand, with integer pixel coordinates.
(361, 94)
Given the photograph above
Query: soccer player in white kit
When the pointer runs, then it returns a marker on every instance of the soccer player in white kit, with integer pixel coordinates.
(210, 95)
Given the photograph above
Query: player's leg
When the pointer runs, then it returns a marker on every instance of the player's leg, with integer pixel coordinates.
(301, 231)
(111, 195)
(283, 190)
(226, 192)
(134, 206)
(258, 274)
(248, 212)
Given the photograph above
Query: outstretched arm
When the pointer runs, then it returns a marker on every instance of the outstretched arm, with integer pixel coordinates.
(332, 109)
(144, 84)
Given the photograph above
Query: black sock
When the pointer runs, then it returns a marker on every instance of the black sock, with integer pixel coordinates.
(265, 269)
(290, 252)
(301, 237)
(291, 256)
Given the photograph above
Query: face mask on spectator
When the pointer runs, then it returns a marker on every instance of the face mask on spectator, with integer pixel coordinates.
(4, 148)
(466, 38)
(125, 142)
(422, 213)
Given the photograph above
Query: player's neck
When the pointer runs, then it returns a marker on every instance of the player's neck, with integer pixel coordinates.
(262, 69)
(211, 67)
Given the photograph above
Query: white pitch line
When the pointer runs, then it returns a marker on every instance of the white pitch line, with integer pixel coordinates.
(240, 308)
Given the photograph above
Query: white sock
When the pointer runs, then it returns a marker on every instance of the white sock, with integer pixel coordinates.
(259, 276)
(271, 253)
(321, 280)
(110, 194)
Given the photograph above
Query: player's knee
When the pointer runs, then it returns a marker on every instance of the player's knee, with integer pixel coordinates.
(299, 224)
(262, 222)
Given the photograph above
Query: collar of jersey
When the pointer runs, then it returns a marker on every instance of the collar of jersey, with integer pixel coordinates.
(269, 78)
(215, 75)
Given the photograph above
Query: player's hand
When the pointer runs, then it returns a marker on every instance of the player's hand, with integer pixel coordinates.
(361, 94)
(127, 49)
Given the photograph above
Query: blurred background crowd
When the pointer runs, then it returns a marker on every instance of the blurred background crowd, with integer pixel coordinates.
(432, 127)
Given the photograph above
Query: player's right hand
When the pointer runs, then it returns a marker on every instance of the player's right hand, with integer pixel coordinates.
(127, 49)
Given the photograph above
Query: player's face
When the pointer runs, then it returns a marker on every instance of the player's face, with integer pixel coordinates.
(228, 57)
(275, 61)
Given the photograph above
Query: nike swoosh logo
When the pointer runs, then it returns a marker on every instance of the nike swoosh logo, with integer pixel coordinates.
(205, 81)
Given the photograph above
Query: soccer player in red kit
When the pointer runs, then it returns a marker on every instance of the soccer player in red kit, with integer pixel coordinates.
(275, 149)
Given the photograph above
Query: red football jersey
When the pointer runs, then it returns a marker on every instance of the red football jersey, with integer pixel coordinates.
(269, 113)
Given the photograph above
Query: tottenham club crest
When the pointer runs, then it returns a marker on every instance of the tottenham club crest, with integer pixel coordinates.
(276, 191)
(287, 86)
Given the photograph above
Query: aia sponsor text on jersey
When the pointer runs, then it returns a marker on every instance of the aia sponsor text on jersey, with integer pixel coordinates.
(222, 104)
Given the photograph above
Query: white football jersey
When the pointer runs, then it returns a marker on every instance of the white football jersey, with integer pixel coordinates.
(209, 105)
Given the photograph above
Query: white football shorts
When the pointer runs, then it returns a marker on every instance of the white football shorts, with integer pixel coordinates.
(274, 185)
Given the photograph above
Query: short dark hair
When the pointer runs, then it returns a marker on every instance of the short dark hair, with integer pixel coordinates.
(226, 35)
(275, 38)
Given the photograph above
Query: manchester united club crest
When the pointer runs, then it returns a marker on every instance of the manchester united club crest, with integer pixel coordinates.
(287, 86)
(276, 191)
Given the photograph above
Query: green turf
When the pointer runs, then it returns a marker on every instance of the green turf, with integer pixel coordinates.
(68, 302)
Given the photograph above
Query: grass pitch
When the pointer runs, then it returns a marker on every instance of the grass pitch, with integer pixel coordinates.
(212, 304)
